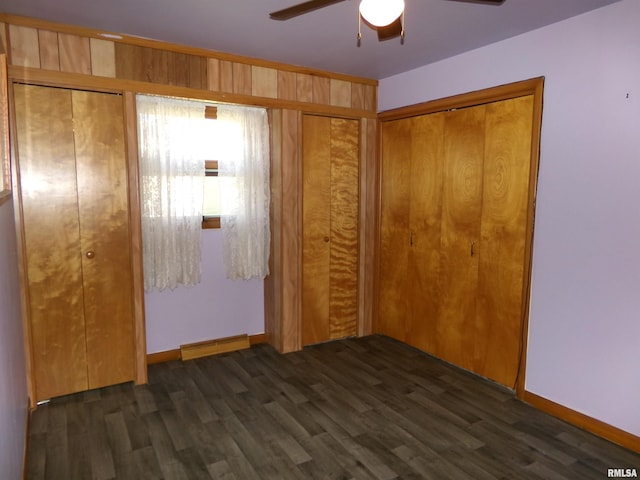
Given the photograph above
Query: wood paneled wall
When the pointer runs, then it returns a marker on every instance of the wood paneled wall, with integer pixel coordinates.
(42, 45)
(78, 57)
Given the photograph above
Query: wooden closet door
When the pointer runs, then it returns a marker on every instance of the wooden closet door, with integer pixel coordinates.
(394, 299)
(104, 232)
(330, 228)
(44, 132)
(425, 220)
(74, 197)
(501, 271)
(316, 228)
(460, 237)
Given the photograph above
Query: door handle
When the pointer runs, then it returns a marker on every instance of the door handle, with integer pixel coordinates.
(473, 248)
(90, 254)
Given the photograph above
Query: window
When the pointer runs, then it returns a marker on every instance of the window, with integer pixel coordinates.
(179, 145)
(211, 208)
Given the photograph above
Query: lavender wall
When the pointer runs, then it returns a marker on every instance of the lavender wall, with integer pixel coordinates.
(215, 308)
(584, 334)
(13, 386)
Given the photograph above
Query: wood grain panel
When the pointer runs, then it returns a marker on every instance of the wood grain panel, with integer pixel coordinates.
(340, 93)
(286, 85)
(75, 54)
(47, 171)
(241, 78)
(104, 232)
(177, 67)
(321, 90)
(5, 155)
(344, 234)
(503, 238)
(24, 46)
(197, 72)
(213, 74)
(393, 264)
(427, 153)
(368, 223)
(103, 58)
(264, 82)
(226, 76)
(3, 38)
(317, 212)
(291, 231)
(304, 87)
(358, 96)
(461, 209)
(49, 50)
(273, 282)
(159, 66)
(371, 98)
(135, 232)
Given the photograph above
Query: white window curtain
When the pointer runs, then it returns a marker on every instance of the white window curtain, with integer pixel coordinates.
(243, 171)
(170, 133)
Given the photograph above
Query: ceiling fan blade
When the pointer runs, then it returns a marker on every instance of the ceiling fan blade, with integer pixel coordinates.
(393, 30)
(301, 8)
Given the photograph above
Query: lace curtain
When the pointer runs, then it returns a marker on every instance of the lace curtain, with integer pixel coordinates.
(244, 187)
(170, 133)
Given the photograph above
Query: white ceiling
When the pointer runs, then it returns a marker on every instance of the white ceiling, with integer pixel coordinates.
(324, 39)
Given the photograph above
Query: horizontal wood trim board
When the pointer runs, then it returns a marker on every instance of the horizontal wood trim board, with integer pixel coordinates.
(115, 85)
(146, 42)
(214, 347)
(162, 357)
(495, 94)
(597, 427)
(258, 339)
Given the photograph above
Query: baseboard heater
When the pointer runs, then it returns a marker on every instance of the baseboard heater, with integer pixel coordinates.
(214, 347)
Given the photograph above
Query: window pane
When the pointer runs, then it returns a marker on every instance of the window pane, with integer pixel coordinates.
(211, 205)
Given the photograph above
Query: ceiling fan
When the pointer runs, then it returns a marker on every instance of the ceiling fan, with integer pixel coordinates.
(389, 27)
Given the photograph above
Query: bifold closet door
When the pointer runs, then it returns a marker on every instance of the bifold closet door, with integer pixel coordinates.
(455, 190)
(330, 228)
(103, 207)
(395, 298)
(74, 200)
(463, 149)
(410, 228)
(502, 241)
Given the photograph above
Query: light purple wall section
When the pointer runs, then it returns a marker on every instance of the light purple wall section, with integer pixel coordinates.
(13, 386)
(215, 308)
(584, 335)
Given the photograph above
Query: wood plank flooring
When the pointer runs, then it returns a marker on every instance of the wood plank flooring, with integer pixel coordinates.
(367, 408)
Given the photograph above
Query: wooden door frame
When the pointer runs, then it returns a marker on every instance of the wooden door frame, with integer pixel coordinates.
(534, 87)
(131, 154)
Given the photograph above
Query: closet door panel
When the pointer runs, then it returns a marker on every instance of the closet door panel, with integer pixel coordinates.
(48, 191)
(503, 237)
(425, 223)
(461, 210)
(345, 187)
(394, 302)
(316, 228)
(104, 232)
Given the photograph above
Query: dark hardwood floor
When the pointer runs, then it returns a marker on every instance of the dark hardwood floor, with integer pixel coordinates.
(368, 408)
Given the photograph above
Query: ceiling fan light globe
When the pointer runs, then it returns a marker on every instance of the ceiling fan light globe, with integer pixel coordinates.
(381, 13)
